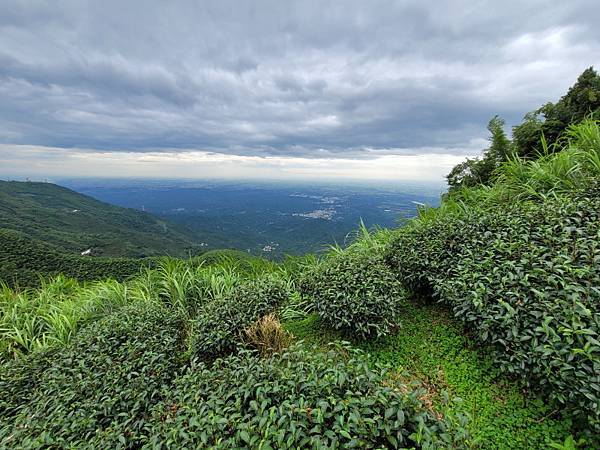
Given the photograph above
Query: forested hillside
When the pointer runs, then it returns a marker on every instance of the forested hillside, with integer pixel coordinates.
(76, 223)
(25, 261)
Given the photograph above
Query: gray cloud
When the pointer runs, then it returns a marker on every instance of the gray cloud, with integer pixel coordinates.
(272, 78)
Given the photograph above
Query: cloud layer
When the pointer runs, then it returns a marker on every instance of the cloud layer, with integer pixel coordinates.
(349, 80)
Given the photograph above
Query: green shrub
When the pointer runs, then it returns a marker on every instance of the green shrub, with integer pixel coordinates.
(526, 280)
(18, 381)
(354, 292)
(301, 399)
(98, 391)
(220, 324)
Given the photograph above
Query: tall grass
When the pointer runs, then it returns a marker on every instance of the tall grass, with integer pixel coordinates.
(586, 137)
(36, 319)
(571, 164)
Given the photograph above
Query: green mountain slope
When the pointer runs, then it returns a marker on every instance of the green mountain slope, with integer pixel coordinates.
(76, 223)
(24, 260)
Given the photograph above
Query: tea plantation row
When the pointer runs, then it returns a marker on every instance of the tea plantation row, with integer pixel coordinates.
(152, 375)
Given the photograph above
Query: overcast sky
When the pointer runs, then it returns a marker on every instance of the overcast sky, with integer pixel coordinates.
(281, 89)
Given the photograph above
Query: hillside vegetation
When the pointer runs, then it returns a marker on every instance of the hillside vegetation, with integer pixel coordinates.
(475, 325)
(542, 132)
(191, 354)
(24, 262)
(75, 223)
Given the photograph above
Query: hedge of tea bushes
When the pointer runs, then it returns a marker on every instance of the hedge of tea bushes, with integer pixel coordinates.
(219, 324)
(526, 280)
(98, 391)
(126, 382)
(24, 261)
(304, 398)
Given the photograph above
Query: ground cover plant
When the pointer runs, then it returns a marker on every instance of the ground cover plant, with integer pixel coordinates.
(432, 349)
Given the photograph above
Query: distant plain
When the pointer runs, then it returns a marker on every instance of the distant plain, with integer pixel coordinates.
(266, 218)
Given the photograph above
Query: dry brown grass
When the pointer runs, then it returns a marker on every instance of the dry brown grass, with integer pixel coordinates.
(267, 335)
(431, 390)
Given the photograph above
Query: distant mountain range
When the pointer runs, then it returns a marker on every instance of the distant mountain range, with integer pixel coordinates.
(77, 224)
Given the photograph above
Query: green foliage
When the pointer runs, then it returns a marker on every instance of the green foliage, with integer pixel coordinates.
(218, 328)
(571, 169)
(355, 293)
(540, 133)
(74, 222)
(311, 330)
(525, 280)
(98, 391)
(297, 307)
(473, 172)
(219, 256)
(431, 346)
(552, 174)
(36, 319)
(568, 444)
(294, 401)
(178, 284)
(552, 120)
(24, 262)
(527, 136)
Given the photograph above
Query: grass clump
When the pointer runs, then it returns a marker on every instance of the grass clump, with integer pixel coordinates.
(267, 335)
(303, 398)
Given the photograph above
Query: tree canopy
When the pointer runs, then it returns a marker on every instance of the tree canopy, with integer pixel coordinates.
(548, 123)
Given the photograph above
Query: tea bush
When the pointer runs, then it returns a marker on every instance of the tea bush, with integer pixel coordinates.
(219, 326)
(302, 399)
(526, 280)
(354, 292)
(96, 392)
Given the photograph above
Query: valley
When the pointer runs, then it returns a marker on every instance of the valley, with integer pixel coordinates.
(268, 219)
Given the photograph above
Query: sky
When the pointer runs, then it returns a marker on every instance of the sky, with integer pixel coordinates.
(394, 90)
